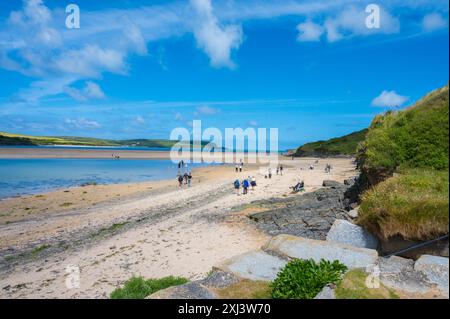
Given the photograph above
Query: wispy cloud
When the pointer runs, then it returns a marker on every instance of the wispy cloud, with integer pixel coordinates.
(82, 123)
(434, 21)
(206, 110)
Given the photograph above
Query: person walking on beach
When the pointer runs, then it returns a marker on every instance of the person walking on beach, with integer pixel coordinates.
(245, 185)
(189, 179)
(185, 176)
(237, 168)
(180, 181)
(253, 182)
(240, 168)
(270, 172)
(237, 185)
(278, 169)
(281, 170)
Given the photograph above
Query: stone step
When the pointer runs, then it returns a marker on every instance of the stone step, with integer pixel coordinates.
(435, 268)
(253, 265)
(303, 248)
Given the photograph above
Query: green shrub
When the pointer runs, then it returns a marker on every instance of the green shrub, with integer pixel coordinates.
(139, 288)
(413, 204)
(304, 279)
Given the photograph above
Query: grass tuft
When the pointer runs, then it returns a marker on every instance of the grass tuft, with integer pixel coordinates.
(139, 288)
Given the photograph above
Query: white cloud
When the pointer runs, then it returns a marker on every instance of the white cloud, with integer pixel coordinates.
(352, 22)
(433, 21)
(139, 120)
(309, 31)
(207, 110)
(389, 99)
(215, 40)
(82, 123)
(90, 91)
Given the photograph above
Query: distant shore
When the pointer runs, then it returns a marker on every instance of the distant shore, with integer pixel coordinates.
(89, 153)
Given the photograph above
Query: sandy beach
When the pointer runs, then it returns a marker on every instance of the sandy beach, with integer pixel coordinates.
(152, 229)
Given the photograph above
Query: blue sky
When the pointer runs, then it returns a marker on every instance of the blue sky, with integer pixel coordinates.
(138, 69)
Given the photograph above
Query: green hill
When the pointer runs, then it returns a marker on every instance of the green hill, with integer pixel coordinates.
(344, 145)
(28, 140)
(404, 162)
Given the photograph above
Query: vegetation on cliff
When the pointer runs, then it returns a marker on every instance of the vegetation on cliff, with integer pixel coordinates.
(404, 160)
(344, 145)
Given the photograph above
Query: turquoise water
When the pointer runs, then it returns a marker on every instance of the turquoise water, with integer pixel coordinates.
(31, 176)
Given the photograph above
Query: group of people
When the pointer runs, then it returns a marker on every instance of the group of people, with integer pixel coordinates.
(246, 183)
(328, 168)
(186, 178)
(239, 167)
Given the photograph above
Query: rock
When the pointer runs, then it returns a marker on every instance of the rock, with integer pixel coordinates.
(254, 265)
(326, 293)
(219, 279)
(398, 273)
(345, 232)
(308, 215)
(303, 248)
(353, 213)
(330, 183)
(191, 290)
(435, 268)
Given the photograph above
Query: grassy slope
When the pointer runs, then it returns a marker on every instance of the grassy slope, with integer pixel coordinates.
(20, 139)
(414, 137)
(413, 144)
(344, 145)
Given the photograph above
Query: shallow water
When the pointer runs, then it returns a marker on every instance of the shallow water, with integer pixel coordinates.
(30, 176)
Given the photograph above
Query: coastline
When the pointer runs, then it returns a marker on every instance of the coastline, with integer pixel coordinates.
(151, 229)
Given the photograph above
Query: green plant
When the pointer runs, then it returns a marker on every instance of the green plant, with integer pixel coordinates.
(139, 288)
(304, 279)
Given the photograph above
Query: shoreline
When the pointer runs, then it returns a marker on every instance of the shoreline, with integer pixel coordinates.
(151, 229)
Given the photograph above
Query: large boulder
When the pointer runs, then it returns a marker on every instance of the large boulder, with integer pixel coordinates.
(303, 248)
(254, 265)
(345, 232)
(435, 268)
(398, 273)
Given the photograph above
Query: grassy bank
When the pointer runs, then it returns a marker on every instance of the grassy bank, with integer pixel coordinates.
(405, 161)
(413, 204)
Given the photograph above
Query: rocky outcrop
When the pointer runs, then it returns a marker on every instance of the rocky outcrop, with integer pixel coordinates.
(345, 232)
(309, 215)
(303, 248)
